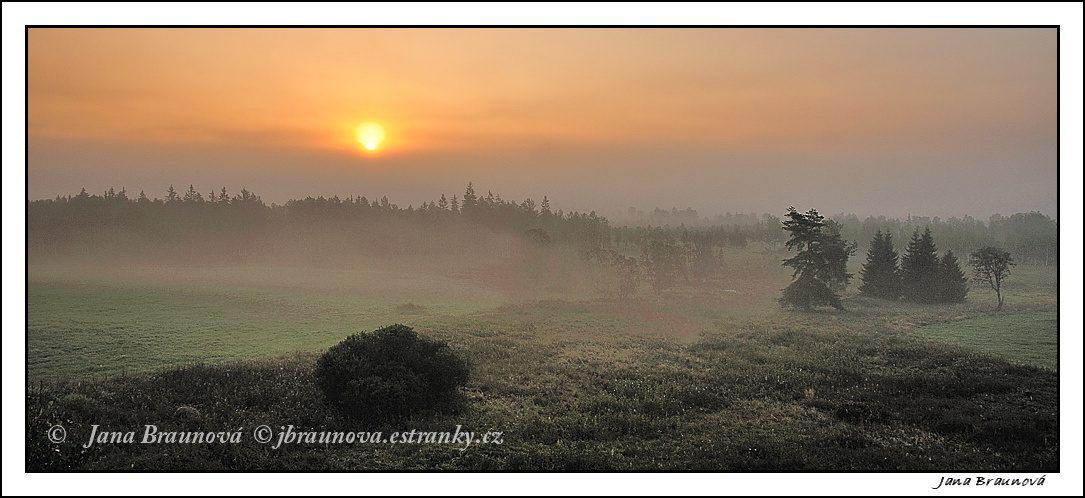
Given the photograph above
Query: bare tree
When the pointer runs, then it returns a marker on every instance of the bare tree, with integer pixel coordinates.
(991, 265)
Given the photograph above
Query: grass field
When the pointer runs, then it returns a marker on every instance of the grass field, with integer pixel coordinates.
(1030, 338)
(699, 377)
(93, 324)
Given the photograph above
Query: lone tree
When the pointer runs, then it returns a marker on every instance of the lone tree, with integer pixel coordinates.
(880, 273)
(820, 263)
(991, 265)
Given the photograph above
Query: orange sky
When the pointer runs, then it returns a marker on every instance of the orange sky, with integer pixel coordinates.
(872, 121)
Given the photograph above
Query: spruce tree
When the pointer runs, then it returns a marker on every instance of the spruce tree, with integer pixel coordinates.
(919, 269)
(192, 195)
(952, 284)
(470, 200)
(881, 272)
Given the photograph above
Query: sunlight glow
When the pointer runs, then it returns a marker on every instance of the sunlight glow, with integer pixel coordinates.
(370, 135)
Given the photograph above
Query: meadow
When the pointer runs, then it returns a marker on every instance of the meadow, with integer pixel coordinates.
(1031, 338)
(79, 319)
(711, 376)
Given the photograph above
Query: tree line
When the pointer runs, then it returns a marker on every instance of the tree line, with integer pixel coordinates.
(241, 224)
(920, 275)
(230, 226)
(1032, 237)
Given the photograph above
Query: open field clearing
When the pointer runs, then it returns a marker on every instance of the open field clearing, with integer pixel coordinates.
(90, 324)
(1031, 338)
(714, 376)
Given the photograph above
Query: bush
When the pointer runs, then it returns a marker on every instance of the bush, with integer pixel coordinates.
(390, 373)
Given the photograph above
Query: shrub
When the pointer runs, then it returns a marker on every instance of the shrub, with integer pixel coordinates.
(390, 373)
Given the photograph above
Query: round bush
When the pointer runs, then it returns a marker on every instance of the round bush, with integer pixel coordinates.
(390, 373)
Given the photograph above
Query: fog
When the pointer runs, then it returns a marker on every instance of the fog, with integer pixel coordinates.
(520, 246)
(608, 182)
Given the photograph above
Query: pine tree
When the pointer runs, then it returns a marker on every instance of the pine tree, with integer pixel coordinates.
(837, 251)
(952, 282)
(470, 200)
(919, 269)
(881, 273)
(192, 195)
(820, 264)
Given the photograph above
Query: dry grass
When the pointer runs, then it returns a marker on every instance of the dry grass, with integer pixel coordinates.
(701, 377)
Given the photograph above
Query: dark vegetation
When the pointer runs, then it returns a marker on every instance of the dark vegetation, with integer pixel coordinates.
(820, 262)
(242, 228)
(881, 272)
(575, 387)
(681, 360)
(389, 374)
(921, 277)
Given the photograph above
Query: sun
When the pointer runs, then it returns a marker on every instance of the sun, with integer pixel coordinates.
(370, 135)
